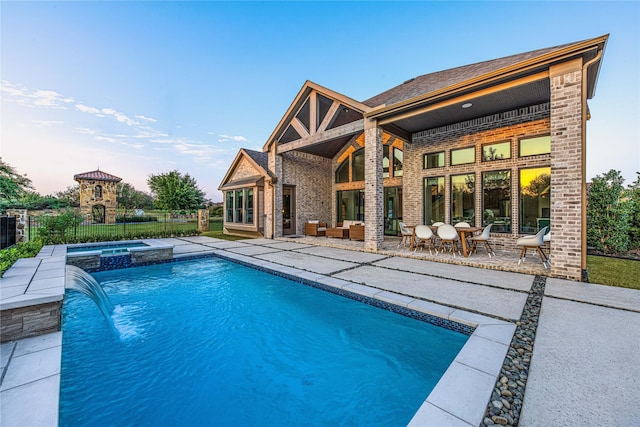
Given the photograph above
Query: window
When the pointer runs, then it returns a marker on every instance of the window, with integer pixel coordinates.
(248, 206)
(385, 161)
(98, 191)
(229, 206)
(358, 165)
(433, 199)
(342, 173)
(535, 146)
(463, 156)
(397, 162)
(535, 199)
(238, 206)
(463, 192)
(499, 151)
(496, 200)
(350, 205)
(434, 160)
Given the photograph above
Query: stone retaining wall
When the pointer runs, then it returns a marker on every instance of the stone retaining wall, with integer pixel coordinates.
(30, 321)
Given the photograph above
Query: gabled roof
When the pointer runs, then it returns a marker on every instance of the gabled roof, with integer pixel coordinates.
(259, 159)
(299, 100)
(97, 175)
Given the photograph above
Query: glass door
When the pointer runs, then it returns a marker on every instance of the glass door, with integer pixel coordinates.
(392, 210)
(288, 206)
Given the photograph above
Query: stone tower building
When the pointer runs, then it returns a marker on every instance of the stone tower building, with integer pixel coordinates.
(98, 196)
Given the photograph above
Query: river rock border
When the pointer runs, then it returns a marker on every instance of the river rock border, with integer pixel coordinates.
(505, 405)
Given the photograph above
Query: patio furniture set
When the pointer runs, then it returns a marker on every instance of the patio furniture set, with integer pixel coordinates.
(352, 230)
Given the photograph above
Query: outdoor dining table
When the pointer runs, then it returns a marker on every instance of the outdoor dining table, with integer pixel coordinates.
(462, 232)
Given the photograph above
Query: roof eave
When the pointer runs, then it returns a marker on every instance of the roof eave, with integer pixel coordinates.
(510, 71)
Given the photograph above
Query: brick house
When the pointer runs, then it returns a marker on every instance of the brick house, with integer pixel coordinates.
(501, 141)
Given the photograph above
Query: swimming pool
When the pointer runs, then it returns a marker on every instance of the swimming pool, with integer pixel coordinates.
(213, 342)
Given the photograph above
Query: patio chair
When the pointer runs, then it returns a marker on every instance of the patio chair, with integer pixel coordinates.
(424, 236)
(462, 224)
(315, 228)
(448, 234)
(406, 234)
(536, 242)
(437, 224)
(484, 238)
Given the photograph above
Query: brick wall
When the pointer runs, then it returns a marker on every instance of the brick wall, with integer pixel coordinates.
(312, 178)
(567, 173)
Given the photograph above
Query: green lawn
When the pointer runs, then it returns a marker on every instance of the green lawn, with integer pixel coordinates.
(623, 273)
(220, 235)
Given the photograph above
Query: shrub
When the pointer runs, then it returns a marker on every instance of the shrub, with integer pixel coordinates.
(608, 214)
(10, 255)
(53, 228)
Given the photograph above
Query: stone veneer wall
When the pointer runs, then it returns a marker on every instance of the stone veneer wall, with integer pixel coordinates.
(506, 126)
(88, 199)
(21, 223)
(30, 321)
(312, 178)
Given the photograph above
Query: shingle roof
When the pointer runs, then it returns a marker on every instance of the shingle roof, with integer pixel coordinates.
(260, 157)
(97, 175)
(432, 82)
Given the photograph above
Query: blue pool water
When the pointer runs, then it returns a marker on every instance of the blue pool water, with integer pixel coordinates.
(210, 342)
(110, 248)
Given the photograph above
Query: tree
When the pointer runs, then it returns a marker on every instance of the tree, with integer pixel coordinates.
(70, 196)
(173, 191)
(12, 185)
(129, 198)
(633, 196)
(608, 214)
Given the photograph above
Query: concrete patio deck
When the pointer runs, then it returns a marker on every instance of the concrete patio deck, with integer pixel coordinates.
(585, 368)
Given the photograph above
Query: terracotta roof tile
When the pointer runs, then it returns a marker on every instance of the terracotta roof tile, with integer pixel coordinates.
(97, 175)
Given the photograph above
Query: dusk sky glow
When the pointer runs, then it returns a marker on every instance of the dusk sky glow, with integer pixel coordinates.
(140, 88)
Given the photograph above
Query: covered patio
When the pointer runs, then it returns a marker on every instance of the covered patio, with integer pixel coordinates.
(505, 260)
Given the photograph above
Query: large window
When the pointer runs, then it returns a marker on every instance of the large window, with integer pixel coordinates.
(535, 146)
(229, 206)
(535, 199)
(463, 156)
(498, 151)
(434, 160)
(98, 191)
(433, 200)
(397, 162)
(342, 173)
(248, 206)
(463, 191)
(351, 205)
(358, 165)
(240, 206)
(496, 200)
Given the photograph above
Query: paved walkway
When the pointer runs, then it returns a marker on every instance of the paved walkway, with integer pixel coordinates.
(585, 368)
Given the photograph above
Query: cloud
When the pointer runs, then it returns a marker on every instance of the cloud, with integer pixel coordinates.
(111, 140)
(90, 110)
(37, 98)
(148, 119)
(237, 138)
(122, 118)
(43, 123)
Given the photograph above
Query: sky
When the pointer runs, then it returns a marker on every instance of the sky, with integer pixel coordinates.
(142, 88)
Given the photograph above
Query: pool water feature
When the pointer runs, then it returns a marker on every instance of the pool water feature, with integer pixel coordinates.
(106, 248)
(212, 342)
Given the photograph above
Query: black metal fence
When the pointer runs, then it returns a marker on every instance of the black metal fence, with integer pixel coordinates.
(125, 227)
(7, 231)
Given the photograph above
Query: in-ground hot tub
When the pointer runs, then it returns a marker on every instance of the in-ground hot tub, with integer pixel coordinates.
(113, 255)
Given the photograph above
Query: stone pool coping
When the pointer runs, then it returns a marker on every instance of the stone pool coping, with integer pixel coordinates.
(459, 398)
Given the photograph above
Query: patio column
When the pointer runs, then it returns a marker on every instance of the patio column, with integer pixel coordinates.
(273, 197)
(567, 170)
(373, 190)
